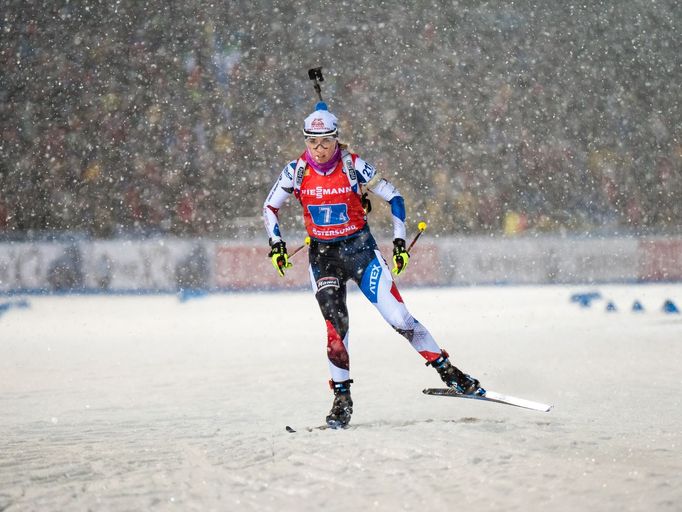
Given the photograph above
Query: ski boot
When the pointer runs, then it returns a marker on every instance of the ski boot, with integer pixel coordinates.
(342, 408)
(454, 378)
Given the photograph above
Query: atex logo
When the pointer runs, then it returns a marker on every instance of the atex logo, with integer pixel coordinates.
(374, 274)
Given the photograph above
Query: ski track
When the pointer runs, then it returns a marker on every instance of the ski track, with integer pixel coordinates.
(146, 403)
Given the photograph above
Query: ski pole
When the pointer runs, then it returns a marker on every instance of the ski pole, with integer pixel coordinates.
(421, 227)
(298, 249)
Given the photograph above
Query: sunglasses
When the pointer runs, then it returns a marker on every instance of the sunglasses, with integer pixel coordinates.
(315, 142)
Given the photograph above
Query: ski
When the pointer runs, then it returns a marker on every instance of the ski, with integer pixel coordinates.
(492, 396)
(292, 430)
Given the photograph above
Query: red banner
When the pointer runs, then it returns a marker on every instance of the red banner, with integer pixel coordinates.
(660, 260)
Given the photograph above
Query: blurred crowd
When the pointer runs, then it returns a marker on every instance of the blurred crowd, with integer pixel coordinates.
(129, 117)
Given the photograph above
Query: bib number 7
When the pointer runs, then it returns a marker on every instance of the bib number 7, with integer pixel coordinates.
(329, 214)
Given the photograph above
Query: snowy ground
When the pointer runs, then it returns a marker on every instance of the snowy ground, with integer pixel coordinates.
(147, 403)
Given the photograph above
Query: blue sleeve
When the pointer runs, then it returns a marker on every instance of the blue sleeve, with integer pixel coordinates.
(398, 207)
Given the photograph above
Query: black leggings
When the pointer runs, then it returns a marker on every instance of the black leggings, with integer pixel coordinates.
(358, 258)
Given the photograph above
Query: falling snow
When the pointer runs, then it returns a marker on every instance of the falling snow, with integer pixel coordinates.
(174, 117)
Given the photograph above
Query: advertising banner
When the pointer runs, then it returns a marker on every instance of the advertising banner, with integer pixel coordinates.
(660, 260)
(39, 266)
(170, 264)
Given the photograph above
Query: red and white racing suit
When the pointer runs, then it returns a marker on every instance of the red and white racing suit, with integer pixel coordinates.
(342, 249)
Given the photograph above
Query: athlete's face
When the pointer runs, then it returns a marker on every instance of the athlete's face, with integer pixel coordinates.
(322, 148)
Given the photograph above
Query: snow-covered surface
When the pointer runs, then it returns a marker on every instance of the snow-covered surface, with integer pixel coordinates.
(120, 403)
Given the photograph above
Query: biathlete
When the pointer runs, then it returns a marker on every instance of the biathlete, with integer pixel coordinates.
(328, 181)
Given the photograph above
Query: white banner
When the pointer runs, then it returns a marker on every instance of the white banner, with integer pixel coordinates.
(155, 265)
(30, 265)
(538, 260)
